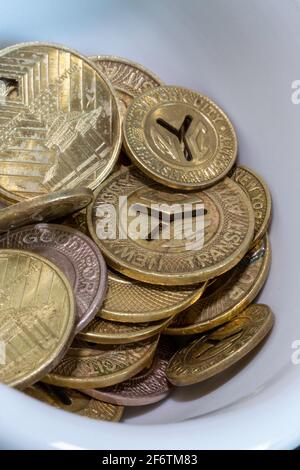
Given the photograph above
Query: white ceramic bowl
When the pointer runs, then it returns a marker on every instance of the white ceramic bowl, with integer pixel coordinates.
(245, 55)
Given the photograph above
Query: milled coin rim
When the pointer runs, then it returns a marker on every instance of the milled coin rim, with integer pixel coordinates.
(229, 314)
(65, 341)
(12, 197)
(226, 362)
(177, 184)
(264, 227)
(173, 279)
(103, 381)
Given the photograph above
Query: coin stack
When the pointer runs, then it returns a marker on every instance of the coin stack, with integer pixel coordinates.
(103, 163)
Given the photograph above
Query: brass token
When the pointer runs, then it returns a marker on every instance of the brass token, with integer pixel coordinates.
(259, 195)
(179, 138)
(228, 295)
(128, 78)
(220, 243)
(44, 208)
(88, 365)
(75, 402)
(214, 352)
(107, 332)
(60, 125)
(37, 316)
(132, 301)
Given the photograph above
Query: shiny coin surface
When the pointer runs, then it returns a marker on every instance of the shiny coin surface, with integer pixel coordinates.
(228, 295)
(75, 254)
(88, 365)
(132, 301)
(107, 332)
(217, 231)
(128, 78)
(60, 125)
(259, 195)
(179, 138)
(37, 317)
(149, 386)
(75, 402)
(214, 352)
(44, 208)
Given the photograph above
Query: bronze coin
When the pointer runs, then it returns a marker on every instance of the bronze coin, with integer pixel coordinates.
(75, 254)
(150, 386)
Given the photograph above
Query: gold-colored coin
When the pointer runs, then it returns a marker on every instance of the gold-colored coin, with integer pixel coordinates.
(214, 352)
(132, 301)
(75, 402)
(228, 295)
(88, 365)
(107, 332)
(179, 138)
(37, 316)
(128, 78)
(60, 125)
(224, 234)
(44, 208)
(259, 195)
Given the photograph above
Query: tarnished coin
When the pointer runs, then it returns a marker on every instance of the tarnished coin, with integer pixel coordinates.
(108, 332)
(77, 221)
(60, 125)
(179, 138)
(214, 352)
(75, 254)
(169, 249)
(149, 386)
(128, 78)
(88, 365)
(259, 195)
(37, 317)
(228, 295)
(132, 301)
(44, 208)
(75, 402)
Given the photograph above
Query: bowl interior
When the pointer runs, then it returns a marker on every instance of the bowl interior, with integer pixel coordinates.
(244, 56)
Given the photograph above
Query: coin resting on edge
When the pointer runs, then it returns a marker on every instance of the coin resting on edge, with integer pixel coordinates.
(214, 352)
(149, 386)
(228, 295)
(107, 332)
(179, 138)
(222, 237)
(132, 301)
(128, 78)
(37, 316)
(75, 254)
(88, 365)
(75, 402)
(60, 123)
(259, 195)
(44, 208)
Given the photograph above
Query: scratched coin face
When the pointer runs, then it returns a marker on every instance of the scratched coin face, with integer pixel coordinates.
(228, 295)
(214, 352)
(88, 365)
(149, 386)
(75, 402)
(109, 332)
(60, 124)
(179, 138)
(44, 208)
(171, 238)
(128, 78)
(259, 195)
(37, 317)
(77, 257)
